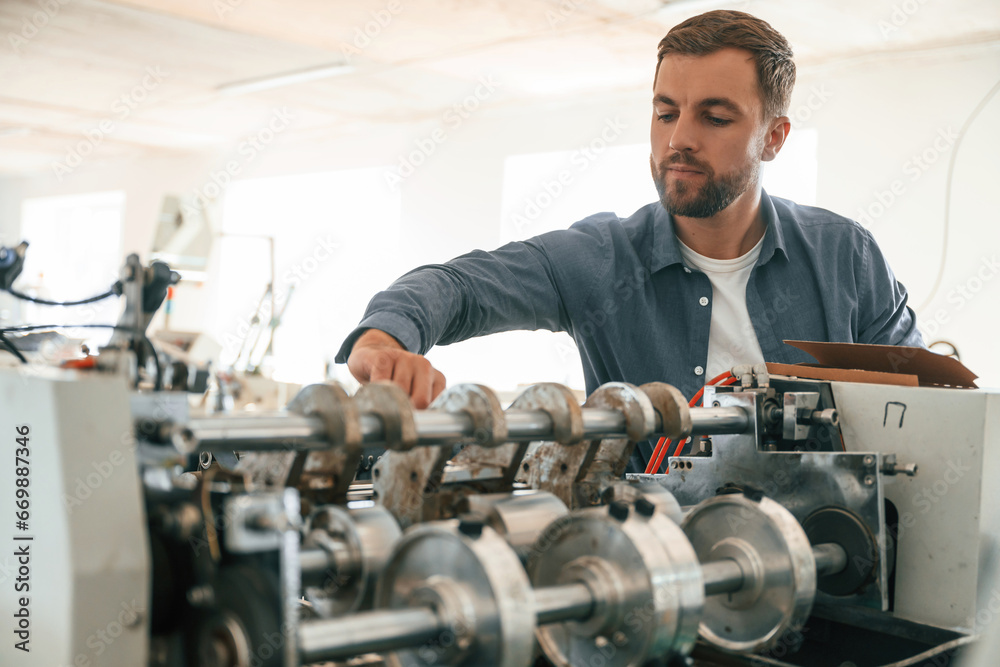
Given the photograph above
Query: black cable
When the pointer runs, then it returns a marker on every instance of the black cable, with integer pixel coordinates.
(9, 346)
(158, 385)
(115, 290)
(34, 327)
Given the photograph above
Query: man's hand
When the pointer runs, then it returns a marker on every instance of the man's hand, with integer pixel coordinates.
(378, 356)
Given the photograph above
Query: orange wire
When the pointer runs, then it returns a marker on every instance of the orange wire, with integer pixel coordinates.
(680, 445)
(656, 460)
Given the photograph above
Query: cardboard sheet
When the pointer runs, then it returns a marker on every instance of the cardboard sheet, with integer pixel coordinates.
(877, 364)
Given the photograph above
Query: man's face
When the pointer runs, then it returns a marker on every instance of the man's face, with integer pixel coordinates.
(707, 135)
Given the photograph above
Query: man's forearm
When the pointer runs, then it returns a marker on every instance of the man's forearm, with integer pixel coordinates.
(472, 295)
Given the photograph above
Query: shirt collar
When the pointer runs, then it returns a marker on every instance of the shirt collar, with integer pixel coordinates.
(666, 249)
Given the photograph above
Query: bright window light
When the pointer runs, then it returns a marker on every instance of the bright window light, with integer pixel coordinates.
(74, 252)
(324, 228)
(794, 173)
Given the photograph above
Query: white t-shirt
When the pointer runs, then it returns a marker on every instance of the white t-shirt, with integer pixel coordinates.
(731, 339)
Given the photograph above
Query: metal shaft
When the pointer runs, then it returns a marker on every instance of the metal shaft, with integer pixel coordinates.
(367, 632)
(571, 602)
(267, 431)
(391, 630)
(726, 575)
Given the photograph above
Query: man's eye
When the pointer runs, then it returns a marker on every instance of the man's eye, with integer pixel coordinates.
(719, 122)
(665, 117)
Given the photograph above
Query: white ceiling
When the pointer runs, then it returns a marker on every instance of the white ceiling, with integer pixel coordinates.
(62, 79)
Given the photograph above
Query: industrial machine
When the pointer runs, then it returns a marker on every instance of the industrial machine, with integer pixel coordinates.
(813, 523)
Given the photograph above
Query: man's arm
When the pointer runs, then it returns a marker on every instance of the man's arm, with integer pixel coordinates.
(476, 294)
(884, 317)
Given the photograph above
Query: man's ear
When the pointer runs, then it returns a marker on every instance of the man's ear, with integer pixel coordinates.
(775, 139)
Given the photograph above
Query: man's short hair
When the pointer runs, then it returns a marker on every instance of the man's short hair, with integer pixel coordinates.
(723, 28)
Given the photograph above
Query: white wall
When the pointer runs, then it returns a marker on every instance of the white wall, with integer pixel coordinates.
(871, 115)
(887, 132)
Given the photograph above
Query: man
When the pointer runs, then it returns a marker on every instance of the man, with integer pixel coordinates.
(715, 274)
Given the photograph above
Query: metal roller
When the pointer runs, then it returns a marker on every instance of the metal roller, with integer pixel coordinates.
(760, 558)
(520, 517)
(453, 593)
(623, 582)
(343, 553)
(644, 579)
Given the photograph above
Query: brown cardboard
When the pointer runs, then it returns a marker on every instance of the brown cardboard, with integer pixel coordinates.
(879, 364)
(814, 372)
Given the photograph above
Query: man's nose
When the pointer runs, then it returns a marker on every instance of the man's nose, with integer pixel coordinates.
(685, 135)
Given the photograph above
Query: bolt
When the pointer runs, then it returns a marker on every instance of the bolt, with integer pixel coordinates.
(200, 596)
(471, 525)
(869, 460)
(644, 507)
(618, 510)
(869, 480)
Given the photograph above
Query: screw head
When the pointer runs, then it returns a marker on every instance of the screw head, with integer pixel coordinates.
(618, 510)
(644, 507)
(869, 480)
(869, 460)
(471, 525)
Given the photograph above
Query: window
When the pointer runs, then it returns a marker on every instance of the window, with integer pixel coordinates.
(74, 252)
(335, 237)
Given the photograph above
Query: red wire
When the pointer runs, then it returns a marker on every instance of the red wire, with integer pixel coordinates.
(680, 445)
(664, 443)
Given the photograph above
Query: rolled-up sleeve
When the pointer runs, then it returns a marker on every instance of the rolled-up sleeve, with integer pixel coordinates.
(884, 317)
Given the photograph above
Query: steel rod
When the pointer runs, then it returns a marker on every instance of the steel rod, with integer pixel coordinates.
(268, 431)
(719, 421)
(726, 575)
(722, 576)
(367, 632)
(830, 558)
(570, 602)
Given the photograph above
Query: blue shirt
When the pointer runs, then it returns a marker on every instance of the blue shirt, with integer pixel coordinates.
(620, 288)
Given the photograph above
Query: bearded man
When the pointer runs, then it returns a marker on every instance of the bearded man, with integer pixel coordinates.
(716, 273)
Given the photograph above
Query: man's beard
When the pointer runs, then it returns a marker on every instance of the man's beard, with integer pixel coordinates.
(691, 201)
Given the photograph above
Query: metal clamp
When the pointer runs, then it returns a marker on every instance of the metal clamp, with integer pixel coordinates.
(482, 406)
(390, 404)
(669, 402)
(560, 404)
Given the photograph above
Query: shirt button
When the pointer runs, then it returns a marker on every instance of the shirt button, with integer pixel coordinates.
(698, 370)
(687, 270)
(703, 300)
